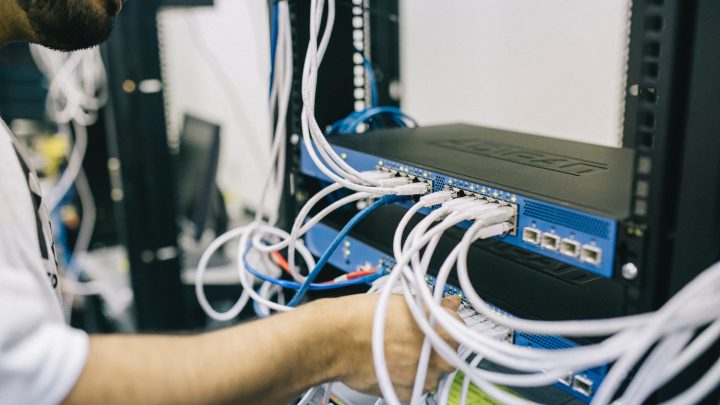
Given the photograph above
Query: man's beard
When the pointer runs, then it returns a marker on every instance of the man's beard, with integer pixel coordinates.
(68, 25)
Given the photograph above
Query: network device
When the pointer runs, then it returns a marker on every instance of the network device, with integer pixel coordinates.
(569, 196)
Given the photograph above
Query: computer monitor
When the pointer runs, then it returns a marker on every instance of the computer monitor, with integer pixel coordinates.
(200, 199)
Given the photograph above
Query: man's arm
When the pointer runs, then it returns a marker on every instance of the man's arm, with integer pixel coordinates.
(269, 361)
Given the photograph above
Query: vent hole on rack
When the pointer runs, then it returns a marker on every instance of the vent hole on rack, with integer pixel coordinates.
(652, 49)
(654, 23)
(647, 119)
(651, 70)
(645, 139)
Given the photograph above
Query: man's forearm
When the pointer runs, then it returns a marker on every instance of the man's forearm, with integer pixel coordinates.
(263, 362)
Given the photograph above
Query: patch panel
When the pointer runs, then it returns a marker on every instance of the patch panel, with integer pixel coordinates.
(581, 385)
(409, 176)
(534, 217)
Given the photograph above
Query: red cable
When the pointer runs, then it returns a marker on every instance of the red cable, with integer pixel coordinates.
(280, 261)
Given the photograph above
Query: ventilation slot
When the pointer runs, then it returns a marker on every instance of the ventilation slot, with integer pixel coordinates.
(439, 183)
(579, 222)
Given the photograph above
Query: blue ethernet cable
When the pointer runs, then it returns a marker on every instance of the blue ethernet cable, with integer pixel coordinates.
(385, 200)
(372, 79)
(373, 82)
(394, 115)
(372, 112)
(349, 124)
(294, 285)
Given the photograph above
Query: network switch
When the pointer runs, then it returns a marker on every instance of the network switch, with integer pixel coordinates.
(581, 385)
(567, 207)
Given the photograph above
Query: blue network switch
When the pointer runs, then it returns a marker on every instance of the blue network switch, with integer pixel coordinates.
(583, 240)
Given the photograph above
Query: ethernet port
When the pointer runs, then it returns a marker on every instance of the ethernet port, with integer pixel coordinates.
(582, 385)
(567, 380)
(591, 254)
(570, 247)
(550, 241)
(531, 235)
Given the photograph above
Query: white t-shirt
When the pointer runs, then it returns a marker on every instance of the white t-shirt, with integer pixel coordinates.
(41, 357)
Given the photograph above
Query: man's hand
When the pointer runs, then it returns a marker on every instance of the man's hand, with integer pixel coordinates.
(269, 361)
(403, 343)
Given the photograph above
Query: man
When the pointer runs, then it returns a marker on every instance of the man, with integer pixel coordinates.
(44, 361)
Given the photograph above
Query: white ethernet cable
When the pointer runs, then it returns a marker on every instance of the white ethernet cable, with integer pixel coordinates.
(494, 230)
(381, 370)
(77, 91)
(601, 399)
(300, 227)
(446, 329)
(605, 352)
(258, 230)
(244, 233)
(267, 291)
(332, 165)
(283, 79)
(274, 176)
(78, 84)
(70, 282)
(658, 376)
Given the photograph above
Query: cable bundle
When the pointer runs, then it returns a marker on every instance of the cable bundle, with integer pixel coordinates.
(667, 333)
(77, 90)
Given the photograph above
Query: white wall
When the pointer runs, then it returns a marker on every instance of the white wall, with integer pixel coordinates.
(551, 67)
(216, 66)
